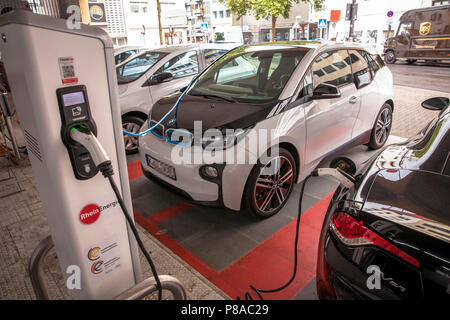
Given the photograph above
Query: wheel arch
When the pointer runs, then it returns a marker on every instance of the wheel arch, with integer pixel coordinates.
(138, 114)
(293, 150)
(391, 103)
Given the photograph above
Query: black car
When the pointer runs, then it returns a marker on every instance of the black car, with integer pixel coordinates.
(388, 237)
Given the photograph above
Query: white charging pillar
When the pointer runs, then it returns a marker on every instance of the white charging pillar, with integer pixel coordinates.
(41, 54)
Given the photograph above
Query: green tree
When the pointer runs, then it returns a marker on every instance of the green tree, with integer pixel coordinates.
(266, 9)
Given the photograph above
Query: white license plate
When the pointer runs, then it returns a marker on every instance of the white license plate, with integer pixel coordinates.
(161, 167)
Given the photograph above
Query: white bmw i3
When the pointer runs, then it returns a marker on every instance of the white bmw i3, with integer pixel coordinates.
(242, 139)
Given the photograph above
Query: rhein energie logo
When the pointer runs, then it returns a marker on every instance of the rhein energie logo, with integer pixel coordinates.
(89, 214)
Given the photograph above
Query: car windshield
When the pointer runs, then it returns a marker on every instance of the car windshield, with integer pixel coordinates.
(133, 69)
(249, 74)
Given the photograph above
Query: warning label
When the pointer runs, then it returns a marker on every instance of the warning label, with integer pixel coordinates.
(104, 257)
(67, 70)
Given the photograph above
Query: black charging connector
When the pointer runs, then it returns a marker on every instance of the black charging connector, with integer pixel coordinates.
(258, 292)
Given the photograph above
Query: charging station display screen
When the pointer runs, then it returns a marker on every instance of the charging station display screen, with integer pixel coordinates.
(69, 99)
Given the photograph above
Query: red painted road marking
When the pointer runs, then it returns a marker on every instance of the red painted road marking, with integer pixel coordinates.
(270, 264)
(134, 170)
(267, 266)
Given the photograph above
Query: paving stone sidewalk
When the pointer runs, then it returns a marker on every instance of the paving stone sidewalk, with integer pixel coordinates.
(409, 116)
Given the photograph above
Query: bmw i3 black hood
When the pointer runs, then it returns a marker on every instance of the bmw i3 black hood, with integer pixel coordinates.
(214, 112)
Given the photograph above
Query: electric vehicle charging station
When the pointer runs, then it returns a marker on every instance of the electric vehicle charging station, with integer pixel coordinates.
(62, 78)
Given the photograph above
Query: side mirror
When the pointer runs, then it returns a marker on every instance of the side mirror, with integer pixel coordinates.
(159, 78)
(326, 91)
(436, 103)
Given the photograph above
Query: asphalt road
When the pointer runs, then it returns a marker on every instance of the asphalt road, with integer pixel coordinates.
(423, 75)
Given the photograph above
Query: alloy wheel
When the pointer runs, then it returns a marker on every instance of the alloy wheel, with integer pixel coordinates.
(274, 184)
(130, 142)
(383, 126)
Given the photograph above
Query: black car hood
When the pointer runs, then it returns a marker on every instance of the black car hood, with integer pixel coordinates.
(213, 112)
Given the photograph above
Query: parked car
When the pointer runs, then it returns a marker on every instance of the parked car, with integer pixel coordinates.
(314, 97)
(9, 5)
(123, 53)
(388, 236)
(147, 77)
(421, 35)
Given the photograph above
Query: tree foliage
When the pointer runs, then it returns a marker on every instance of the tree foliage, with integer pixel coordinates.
(266, 9)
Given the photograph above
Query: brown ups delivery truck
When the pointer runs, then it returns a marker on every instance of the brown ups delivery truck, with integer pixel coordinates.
(423, 34)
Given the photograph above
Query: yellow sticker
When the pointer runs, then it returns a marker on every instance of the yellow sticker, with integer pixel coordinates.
(424, 28)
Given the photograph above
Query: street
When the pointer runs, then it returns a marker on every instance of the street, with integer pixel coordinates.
(423, 75)
(412, 85)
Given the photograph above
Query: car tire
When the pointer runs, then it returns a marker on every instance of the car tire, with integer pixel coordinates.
(132, 124)
(390, 57)
(264, 194)
(382, 127)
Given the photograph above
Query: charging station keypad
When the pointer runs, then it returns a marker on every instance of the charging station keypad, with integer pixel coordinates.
(75, 112)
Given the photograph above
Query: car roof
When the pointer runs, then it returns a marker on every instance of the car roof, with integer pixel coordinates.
(167, 50)
(319, 46)
(183, 48)
(126, 48)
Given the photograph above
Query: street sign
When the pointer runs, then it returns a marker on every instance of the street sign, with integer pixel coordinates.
(204, 27)
(97, 13)
(390, 14)
(322, 23)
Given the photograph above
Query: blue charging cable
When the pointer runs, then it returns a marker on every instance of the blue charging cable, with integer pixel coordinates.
(166, 115)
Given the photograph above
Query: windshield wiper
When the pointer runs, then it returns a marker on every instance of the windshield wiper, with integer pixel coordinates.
(214, 96)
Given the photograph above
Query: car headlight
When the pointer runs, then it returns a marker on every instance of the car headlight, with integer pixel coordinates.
(225, 140)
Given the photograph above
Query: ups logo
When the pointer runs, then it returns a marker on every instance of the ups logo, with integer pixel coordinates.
(424, 28)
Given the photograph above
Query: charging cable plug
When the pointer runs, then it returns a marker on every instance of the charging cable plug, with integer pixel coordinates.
(88, 140)
(343, 177)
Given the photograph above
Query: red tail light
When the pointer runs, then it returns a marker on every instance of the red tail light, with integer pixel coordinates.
(353, 233)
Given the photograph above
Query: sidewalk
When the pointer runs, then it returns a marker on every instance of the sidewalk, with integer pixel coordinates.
(23, 225)
(409, 116)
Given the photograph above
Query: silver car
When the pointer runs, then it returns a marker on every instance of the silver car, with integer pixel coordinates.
(152, 74)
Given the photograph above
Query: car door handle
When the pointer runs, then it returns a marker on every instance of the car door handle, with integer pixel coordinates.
(353, 99)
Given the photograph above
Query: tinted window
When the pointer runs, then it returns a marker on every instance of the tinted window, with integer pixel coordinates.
(332, 68)
(136, 67)
(250, 76)
(307, 85)
(124, 56)
(378, 60)
(212, 55)
(369, 61)
(185, 64)
(360, 68)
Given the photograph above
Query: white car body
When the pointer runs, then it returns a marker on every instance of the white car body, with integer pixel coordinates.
(311, 131)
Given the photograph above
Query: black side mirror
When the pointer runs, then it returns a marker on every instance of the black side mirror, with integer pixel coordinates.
(326, 91)
(158, 78)
(436, 103)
